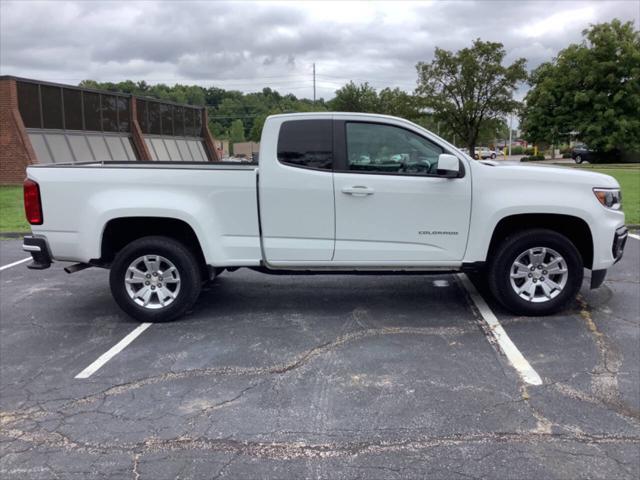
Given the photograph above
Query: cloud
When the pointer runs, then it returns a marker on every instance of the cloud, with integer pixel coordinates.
(247, 46)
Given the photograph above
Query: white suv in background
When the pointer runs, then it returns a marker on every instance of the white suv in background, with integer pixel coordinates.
(484, 153)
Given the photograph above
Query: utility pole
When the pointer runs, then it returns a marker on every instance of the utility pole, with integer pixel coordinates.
(314, 83)
(510, 130)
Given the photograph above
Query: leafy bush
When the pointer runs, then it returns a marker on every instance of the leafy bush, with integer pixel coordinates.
(614, 156)
(517, 150)
(532, 158)
(630, 157)
(566, 155)
(529, 151)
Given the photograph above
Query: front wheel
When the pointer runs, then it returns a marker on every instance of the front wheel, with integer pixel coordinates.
(578, 159)
(155, 279)
(535, 272)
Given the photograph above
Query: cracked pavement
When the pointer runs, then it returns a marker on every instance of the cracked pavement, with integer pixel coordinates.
(315, 377)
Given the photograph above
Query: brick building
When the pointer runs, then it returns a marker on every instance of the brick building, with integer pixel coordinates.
(42, 122)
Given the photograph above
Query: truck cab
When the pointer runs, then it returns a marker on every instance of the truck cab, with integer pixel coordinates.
(364, 190)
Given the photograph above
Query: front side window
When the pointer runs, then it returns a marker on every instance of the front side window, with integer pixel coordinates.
(387, 149)
(306, 143)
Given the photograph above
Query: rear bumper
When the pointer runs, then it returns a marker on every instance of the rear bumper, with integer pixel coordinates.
(37, 247)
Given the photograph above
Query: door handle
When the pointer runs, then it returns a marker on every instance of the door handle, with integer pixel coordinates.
(358, 191)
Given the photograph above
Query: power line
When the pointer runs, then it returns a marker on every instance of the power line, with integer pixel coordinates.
(220, 117)
(377, 80)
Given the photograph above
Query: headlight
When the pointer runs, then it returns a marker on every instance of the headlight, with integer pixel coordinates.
(609, 197)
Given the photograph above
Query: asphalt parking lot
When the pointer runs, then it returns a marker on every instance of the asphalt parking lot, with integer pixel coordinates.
(316, 377)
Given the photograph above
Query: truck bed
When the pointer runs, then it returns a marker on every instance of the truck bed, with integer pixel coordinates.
(218, 201)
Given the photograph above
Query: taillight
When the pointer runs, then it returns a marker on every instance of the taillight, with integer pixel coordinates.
(32, 203)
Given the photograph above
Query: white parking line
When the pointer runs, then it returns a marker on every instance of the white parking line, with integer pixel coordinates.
(633, 235)
(517, 360)
(113, 351)
(4, 267)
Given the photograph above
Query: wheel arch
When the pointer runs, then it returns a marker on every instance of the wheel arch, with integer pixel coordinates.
(119, 232)
(574, 228)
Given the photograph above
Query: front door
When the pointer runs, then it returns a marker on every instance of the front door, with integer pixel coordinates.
(391, 206)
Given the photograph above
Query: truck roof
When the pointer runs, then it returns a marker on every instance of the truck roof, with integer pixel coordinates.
(333, 114)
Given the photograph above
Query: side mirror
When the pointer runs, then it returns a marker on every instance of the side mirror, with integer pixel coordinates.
(448, 166)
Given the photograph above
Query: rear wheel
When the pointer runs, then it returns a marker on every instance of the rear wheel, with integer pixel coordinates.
(155, 279)
(536, 272)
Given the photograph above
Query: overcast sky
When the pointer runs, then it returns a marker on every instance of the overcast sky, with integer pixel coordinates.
(249, 45)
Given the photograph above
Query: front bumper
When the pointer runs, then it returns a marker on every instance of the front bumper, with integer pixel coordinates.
(619, 242)
(39, 251)
(617, 250)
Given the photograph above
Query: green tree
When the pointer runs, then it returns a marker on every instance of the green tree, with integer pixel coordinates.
(236, 132)
(469, 87)
(365, 98)
(218, 131)
(356, 98)
(592, 88)
(493, 130)
(88, 83)
(256, 129)
(398, 103)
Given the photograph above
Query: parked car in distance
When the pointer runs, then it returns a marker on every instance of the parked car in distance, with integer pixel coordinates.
(332, 193)
(581, 153)
(484, 153)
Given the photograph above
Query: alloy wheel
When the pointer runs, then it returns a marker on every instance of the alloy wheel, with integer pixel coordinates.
(152, 281)
(538, 274)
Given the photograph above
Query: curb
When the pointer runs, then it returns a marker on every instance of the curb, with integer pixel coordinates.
(13, 234)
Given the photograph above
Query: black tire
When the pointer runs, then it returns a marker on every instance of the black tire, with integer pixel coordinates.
(174, 251)
(508, 251)
(493, 156)
(578, 159)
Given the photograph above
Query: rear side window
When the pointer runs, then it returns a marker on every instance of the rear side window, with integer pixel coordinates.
(306, 143)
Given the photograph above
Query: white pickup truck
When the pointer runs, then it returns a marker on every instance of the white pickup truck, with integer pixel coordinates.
(333, 193)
